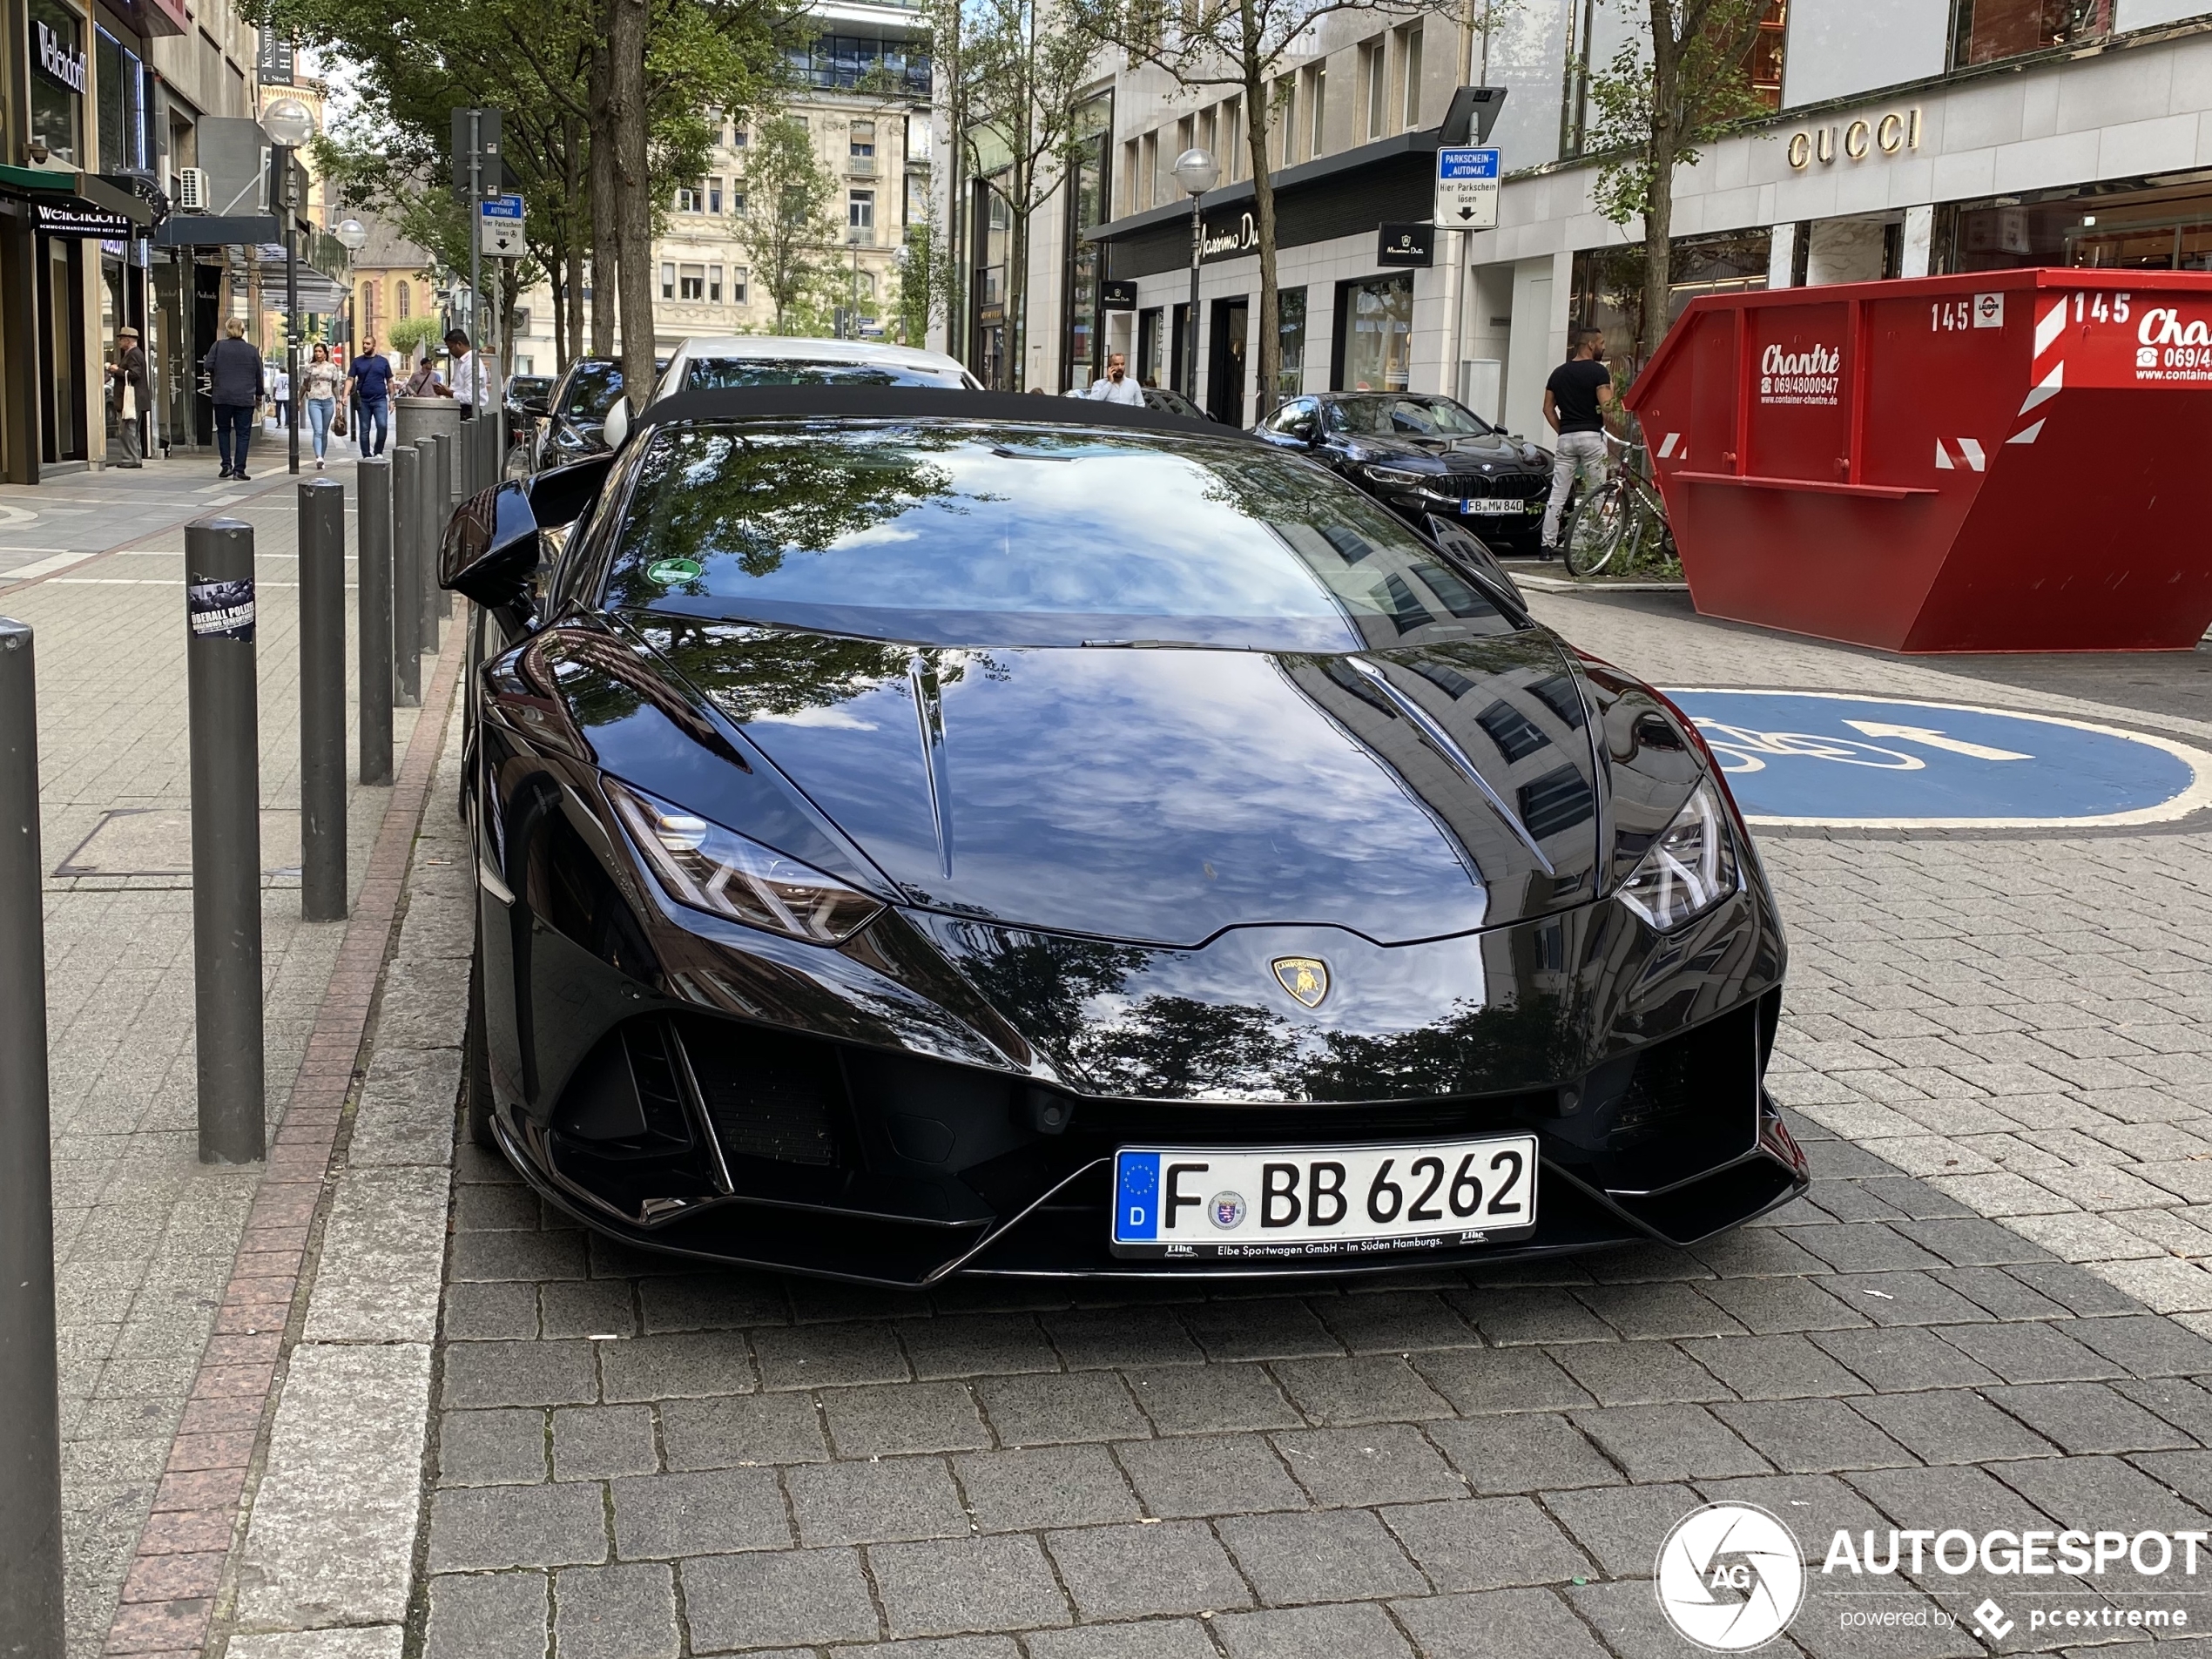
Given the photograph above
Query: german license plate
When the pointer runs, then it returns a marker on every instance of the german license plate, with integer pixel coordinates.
(1492, 507)
(1342, 1201)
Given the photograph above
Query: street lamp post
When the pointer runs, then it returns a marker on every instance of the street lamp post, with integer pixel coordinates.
(1197, 172)
(353, 236)
(289, 125)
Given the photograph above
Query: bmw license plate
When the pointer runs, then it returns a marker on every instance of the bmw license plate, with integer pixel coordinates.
(1496, 507)
(1331, 1201)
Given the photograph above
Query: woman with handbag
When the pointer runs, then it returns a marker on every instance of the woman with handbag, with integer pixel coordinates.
(320, 383)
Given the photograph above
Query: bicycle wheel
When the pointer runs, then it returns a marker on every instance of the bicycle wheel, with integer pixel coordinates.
(1595, 529)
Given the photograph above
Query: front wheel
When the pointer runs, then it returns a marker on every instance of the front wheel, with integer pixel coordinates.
(1595, 529)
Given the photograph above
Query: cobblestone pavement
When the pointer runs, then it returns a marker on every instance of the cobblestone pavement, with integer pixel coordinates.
(145, 1234)
(1990, 1313)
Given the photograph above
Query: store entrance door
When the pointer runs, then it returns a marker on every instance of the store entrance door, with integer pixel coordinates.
(1225, 377)
(61, 349)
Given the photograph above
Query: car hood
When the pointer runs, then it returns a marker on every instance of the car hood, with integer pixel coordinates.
(1162, 795)
(1491, 450)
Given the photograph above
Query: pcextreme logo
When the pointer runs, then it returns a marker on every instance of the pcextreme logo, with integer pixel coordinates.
(1731, 1577)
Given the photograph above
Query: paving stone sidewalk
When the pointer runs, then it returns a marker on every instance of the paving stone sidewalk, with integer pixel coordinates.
(146, 1235)
(622, 1458)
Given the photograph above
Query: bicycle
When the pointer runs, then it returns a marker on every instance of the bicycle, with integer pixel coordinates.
(1620, 513)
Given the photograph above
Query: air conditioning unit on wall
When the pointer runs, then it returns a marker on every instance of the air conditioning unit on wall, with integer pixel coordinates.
(191, 190)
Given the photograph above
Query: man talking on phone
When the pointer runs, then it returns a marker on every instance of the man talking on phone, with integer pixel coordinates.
(1115, 384)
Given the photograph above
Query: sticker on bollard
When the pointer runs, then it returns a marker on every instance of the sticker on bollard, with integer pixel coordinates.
(1847, 761)
(220, 609)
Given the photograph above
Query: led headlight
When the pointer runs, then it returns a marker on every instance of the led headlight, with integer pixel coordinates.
(710, 868)
(1399, 478)
(1691, 867)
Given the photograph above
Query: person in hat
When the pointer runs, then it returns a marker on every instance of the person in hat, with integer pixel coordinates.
(127, 379)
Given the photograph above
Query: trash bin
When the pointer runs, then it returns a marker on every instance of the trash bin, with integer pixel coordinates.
(416, 418)
(2003, 460)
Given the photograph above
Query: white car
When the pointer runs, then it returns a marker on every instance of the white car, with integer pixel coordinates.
(727, 362)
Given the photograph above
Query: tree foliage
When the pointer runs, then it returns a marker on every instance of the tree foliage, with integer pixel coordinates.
(785, 229)
(1672, 88)
(533, 60)
(1244, 45)
(1014, 71)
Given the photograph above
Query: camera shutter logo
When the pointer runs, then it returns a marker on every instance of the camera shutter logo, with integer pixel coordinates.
(1731, 1577)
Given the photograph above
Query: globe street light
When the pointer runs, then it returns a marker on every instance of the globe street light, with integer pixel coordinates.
(289, 124)
(353, 236)
(1197, 172)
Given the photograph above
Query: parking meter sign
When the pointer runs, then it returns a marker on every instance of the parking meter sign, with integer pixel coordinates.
(1466, 187)
(500, 223)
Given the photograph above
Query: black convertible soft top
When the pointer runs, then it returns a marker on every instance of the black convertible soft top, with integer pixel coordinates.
(900, 402)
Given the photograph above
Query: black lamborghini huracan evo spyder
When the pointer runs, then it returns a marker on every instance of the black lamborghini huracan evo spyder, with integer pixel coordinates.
(928, 831)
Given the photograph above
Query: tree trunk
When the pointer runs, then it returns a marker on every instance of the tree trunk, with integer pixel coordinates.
(606, 262)
(1259, 115)
(1017, 298)
(572, 342)
(556, 285)
(634, 199)
(568, 340)
(1659, 202)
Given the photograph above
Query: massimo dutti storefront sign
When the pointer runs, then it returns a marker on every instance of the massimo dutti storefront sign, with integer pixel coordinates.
(1891, 134)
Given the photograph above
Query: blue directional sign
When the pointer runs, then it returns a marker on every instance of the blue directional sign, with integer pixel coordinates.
(1467, 186)
(503, 207)
(1817, 758)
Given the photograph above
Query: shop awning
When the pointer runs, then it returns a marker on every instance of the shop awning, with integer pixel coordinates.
(319, 292)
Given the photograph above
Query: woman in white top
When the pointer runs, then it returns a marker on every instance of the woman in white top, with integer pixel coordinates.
(318, 385)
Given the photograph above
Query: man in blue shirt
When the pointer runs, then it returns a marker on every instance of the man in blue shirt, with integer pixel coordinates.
(371, 372)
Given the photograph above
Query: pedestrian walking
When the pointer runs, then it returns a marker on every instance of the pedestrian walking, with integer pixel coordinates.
(281, 394)
(127, 376)
(1116, 385)
(426, 381)
(1577, 398)
(371, 374)
(319, 383)
(234, 366)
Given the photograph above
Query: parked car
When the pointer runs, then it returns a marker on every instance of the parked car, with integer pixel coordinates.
(1419, 454)
(734, 362)
(1167, 400)
(896, 859)
(576, 411)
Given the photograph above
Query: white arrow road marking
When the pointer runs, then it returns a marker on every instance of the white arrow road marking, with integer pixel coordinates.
(1934, 739)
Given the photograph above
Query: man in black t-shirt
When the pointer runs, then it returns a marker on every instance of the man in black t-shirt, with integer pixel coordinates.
(1576, 399)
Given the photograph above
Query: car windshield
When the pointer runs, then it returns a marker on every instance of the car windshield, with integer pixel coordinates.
(592, 390)
(965, 533)
(726, 373)
(1417, 417)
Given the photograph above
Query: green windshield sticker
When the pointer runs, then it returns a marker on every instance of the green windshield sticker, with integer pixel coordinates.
(668, 572)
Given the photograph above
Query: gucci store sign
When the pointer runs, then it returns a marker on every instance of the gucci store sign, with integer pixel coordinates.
(1890, 135)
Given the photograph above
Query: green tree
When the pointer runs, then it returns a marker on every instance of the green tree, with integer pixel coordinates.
(1245, 45)
(920, 297)
(787, 229)
(1015, 76)
(1670, 90)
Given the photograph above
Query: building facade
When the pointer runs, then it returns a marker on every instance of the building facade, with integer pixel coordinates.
(863, 89)
(1904, 136)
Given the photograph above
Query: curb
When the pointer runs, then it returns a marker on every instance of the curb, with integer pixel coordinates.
(169, 1593)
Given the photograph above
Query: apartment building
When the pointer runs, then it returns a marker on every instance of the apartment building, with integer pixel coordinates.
(1902, 136)
(863, 95)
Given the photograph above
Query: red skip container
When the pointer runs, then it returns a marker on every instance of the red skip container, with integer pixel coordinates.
(2007, 460)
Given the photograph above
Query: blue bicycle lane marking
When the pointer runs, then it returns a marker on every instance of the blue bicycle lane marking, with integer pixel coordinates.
(1848, 760)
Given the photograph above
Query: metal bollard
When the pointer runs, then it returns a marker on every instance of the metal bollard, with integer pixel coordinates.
(31, 1449)
(374, 619)
(226, 838)
(323, 700)
(437, 490)
(406, 575)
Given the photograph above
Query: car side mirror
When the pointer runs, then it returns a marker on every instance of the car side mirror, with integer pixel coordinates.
(1306, 432)
(497, 539)
(536, 408)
